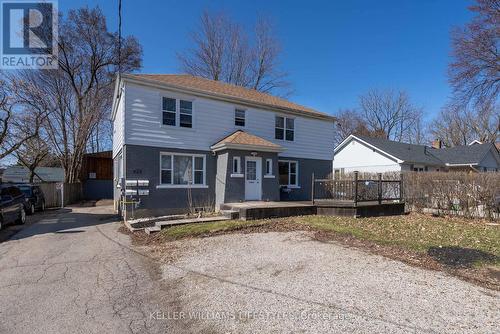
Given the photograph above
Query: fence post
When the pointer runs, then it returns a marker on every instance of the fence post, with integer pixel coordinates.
(355, 188)
(400, 187)
(379, 188)
(312, 188)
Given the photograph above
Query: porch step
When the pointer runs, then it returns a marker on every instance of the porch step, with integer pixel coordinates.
(232, 214)
(168, 223)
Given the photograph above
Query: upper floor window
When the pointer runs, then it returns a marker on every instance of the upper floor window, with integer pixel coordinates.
(239, 117)
(284, 128)
(186, 114)
(169, 111)
(170, 107)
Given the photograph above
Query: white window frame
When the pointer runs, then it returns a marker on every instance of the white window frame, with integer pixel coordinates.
(237, 173)
(296, 185)
(193, 156)
(269, 173)
(284, 128)
(169, 111)
(181, 113)
(178, 99)
(244, 117)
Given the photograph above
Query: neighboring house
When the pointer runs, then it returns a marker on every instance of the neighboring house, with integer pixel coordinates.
(20, 174)
(97, 175)
(379, 155)
(203, 143)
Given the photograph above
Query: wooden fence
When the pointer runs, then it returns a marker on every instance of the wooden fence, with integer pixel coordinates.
(72, 193)
(357, 190)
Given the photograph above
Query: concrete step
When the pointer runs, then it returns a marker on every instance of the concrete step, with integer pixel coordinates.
(164, 224)
(233, 214)
(152, 229)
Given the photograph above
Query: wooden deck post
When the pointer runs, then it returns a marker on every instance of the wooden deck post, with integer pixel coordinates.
(355, 188)
(379, 188)
(401, 195)
(312, 189)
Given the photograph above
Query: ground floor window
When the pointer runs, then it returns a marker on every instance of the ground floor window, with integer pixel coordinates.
(288, 171)
(182, 169)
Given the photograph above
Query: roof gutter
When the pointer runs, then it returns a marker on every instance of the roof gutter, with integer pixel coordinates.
(245, 147)
(223, 97)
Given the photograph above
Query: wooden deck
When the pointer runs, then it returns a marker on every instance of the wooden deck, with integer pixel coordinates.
(262, 210)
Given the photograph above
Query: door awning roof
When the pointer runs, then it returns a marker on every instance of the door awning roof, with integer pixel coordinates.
(241, 140)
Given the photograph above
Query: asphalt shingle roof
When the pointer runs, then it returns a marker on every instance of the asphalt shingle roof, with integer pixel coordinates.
(229, 90)
(244, 138)
(469, 154)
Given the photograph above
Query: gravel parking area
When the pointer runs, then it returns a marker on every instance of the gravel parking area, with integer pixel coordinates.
(282, 282)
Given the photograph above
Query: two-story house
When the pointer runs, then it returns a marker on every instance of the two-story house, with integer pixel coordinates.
(202, 143)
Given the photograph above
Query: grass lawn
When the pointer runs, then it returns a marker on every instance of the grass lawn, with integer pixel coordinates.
(451, 241)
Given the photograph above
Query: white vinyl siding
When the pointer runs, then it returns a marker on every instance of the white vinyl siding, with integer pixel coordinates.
(213, 120)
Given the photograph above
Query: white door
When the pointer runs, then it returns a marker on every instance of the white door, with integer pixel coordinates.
(253, 175)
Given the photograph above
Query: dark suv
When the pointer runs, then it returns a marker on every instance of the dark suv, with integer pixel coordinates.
(11, 205)
(35, 200)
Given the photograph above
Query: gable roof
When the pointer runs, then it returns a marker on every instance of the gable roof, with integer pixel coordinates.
(246, 141)
(412, 153)
(228, 91)
(404, 151)
(462, 155)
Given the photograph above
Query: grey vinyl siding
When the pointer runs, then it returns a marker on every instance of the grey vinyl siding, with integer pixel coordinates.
(143, 162)
(320, 168)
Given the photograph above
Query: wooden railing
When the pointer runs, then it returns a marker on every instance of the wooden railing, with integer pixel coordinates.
(357, 190)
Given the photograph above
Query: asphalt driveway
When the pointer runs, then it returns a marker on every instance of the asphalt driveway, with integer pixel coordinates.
(71, 272)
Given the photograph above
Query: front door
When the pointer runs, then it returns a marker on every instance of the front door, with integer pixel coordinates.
(253, 175)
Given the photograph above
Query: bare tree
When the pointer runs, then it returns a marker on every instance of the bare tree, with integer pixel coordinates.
(457, 125)
(390, 114)
(222, 52)
(33, 154)
(349, 121)
(12, 132)
(475, 70)
(79, 93)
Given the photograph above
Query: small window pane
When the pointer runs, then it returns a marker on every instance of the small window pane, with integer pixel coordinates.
(278, 133)
(289, 135)
(166, 162)
(236, 167)
(268, 167)
(186, 121)
(198, 163)
(198, 177)
(168, 104)
(283, 172)
(239, 117)
(293, 179)
(169, 118)
(186, 107)
(290, 123)
(293, 167)
(166, 177)
(280, 122)
(183, 170)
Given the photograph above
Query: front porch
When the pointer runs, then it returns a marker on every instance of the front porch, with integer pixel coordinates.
(263, 210)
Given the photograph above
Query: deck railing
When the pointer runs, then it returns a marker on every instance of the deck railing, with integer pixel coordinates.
(357, 190)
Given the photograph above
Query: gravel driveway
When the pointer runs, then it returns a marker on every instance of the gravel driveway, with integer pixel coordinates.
(288, 282)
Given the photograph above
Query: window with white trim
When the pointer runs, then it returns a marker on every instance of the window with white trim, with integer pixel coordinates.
(185, 114)
(169, 111)
(288, 173)
(284, 128)
(239, 117)
(182, 169)
(269, 166)
(236, 165)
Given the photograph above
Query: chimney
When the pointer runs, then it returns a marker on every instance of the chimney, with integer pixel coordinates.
(437, 143)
